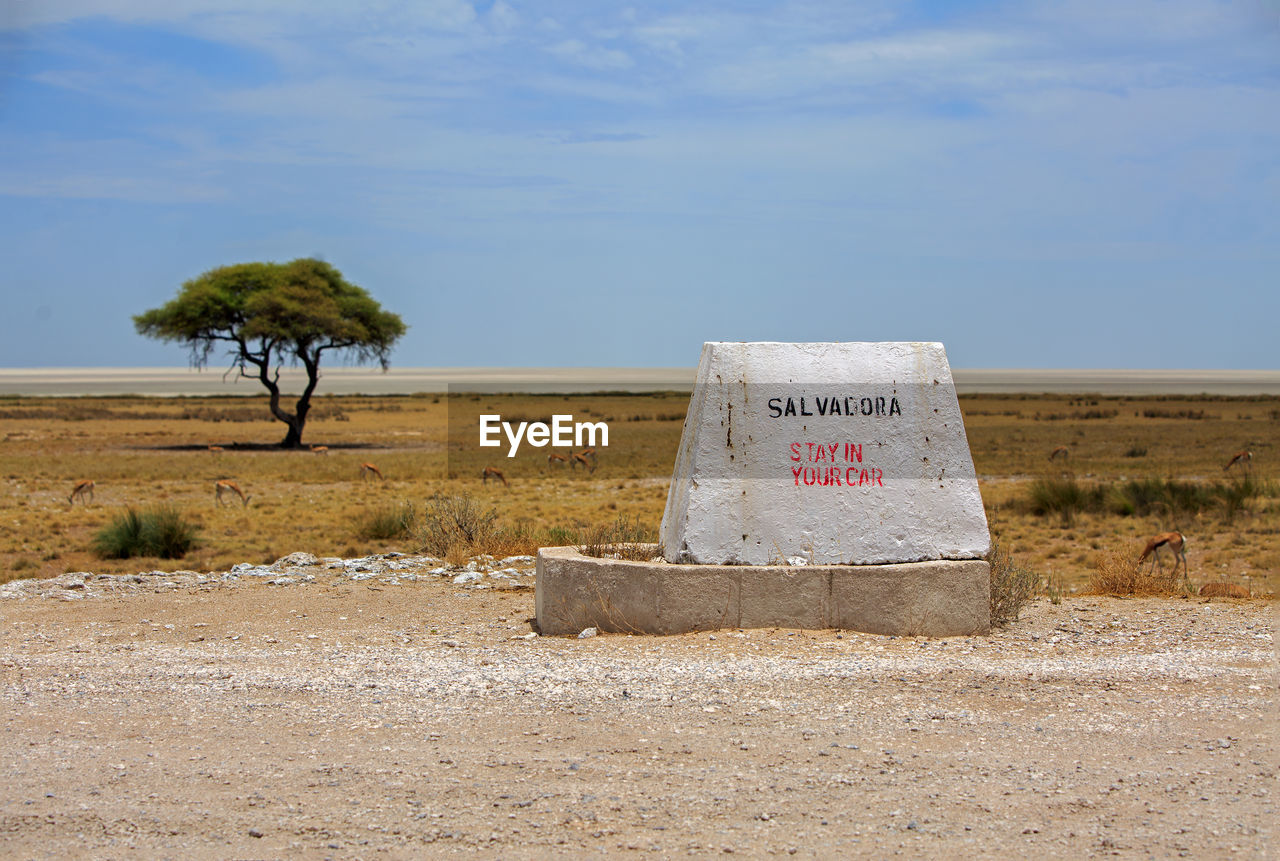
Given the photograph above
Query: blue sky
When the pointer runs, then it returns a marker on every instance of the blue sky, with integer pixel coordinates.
(1036, 184)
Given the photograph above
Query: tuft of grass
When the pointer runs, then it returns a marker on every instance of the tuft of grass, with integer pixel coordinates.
(162, 532)
(1054, 589)
(1118, 572)
(1012, 586)
(622, 539)
(387, 523)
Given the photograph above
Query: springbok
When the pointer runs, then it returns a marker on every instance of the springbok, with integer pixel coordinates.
(554, 459)
(81, 488)
(368, 469)
(229, 487)
(1175, 542)
(495, 473)
(320, 449)
(1244, 458)
(1060, 450)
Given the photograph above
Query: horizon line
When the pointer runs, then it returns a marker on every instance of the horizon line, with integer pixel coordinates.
(177, 381)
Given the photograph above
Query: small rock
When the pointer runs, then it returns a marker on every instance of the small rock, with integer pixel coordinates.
(587, 632)
(295, 560)
(253, 832)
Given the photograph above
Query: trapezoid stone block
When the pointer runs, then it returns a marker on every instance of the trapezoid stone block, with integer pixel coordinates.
(835, 453)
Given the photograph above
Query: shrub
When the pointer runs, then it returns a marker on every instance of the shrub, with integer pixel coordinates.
(457, 524)
(161, 532)
(1145, 496)
(1136, 450)
(1237, 496)
(1064, 496)
(387, 523)
(520, 539)
(1118, 572)
(1012, 586)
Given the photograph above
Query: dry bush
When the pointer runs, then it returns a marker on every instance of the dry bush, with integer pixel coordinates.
(518, 540)
(1223, 590)
(455, 528)
(1012, 586)
(455, 525)
(622, 539)
(1118, 572)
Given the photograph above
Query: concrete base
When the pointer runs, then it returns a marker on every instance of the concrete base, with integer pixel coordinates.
(933, 599)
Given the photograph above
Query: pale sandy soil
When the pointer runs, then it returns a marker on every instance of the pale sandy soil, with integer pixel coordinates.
(185, 716)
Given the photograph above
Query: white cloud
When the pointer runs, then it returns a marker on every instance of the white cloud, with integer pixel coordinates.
(591, 56)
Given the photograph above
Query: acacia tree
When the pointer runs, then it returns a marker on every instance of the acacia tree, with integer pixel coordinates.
(272, 314)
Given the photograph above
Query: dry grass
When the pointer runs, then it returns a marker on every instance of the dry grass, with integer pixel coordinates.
(622, 539)
(148, 451)
(1119, 572)
(1012, 586)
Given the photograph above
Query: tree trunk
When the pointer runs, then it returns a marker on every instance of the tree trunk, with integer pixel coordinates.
(293, 439)
(296, 422)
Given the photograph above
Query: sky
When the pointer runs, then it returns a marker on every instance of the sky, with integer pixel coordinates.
(566, 183)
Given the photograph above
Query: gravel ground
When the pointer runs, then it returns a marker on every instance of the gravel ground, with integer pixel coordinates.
(390, 707)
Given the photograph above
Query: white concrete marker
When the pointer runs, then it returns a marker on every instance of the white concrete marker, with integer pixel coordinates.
(838, 453)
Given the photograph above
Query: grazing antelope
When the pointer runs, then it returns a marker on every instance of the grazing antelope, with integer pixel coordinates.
(368, 469)
(1244, 458)
(320, 449)
(1223, 590)
(216, 449)
(1060, 450)
(1175, 541)
(575, 459)
(81, 488)
(493, 472)
(229, 487)
(554, 459)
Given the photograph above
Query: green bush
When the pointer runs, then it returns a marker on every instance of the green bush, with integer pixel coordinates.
(1065, 497)
(161, 532)
(1143, 497)
(562, 536)
(387, 523)
(1146, 496)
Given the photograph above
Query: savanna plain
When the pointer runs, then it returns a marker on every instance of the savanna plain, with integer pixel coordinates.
(185, 714)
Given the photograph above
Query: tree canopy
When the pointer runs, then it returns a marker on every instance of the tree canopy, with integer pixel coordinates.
(273, 314)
